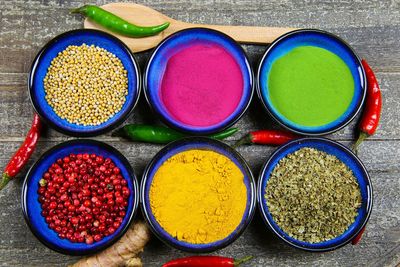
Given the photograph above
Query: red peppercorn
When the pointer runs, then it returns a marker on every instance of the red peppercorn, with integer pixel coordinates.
(83, 197)
(41, 190)
(116, 225)
(110, 202)
(76, 203)
(53, 205)
(118, 187)
(102, 228)
(125, 191)
(116, 170)
(111, 230)
(95, 211)
(99, 159)
(71, 208)
(97, 237)
(89, 240)
(87, 203)
(74, 220)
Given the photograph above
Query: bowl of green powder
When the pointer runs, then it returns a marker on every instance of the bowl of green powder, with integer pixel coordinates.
(311, 82)
(315, 194)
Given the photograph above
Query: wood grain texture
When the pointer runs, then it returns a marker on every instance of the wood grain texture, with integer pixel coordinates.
(371, 27)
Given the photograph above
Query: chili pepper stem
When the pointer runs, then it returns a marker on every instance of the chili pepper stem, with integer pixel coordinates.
(4, 180)
(76, 10)
(242, 141)
(240, 261)
(361, 138)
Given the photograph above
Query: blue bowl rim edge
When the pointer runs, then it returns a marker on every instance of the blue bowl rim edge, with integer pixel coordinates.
(135, 184)
(335, 129)
(260, 198)
(195, 132)
(252, 201)
(97, 132)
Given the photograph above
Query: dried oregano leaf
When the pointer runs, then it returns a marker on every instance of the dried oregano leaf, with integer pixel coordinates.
(312, 196)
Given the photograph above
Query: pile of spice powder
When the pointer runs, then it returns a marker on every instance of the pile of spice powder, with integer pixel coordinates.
(198, 196)
(312, 196)
(202, 84)
(86, 85)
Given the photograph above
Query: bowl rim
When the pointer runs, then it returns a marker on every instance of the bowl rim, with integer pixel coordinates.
(99, 131)
(357, 108)
(193, 131)
(95, 249)
(260, 194)
(247, 217)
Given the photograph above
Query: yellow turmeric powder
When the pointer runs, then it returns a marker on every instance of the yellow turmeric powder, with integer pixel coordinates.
(198, 196)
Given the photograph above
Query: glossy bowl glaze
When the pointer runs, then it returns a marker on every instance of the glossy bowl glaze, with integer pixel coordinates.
(178, 41)
(32, 208)
(322, 39)
(203, 144)
(347, 157)
(78, 37)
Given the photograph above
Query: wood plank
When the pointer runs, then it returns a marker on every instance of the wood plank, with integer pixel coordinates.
(376, 155)
(373, 34)
(16, 111)
(380, 239)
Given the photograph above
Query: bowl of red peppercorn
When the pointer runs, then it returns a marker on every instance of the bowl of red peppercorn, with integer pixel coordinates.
(80, 197)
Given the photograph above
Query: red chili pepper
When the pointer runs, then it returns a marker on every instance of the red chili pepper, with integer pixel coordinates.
(357, 239)
(266, 137)
(372, 112)
(206, 261)
(23, 154)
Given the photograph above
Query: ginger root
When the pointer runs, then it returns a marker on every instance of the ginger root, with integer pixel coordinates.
(123, 253)
(134, 262)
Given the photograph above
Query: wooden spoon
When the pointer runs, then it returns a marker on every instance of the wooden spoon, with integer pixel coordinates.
(145, 16)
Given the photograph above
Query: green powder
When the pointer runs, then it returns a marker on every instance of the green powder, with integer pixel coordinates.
(310, 86)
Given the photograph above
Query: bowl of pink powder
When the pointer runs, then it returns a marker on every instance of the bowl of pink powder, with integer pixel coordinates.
(199, 81)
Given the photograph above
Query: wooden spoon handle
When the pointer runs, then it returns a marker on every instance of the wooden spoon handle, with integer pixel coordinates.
(249, 34)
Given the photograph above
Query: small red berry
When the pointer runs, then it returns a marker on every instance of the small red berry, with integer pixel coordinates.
(97, 237)
(89, 239)
(116, 170)
(74, 220)
(84, 198)
(53, 205)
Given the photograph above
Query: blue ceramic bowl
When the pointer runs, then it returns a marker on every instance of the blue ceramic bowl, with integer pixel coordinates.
(32, 208)
(322, 39)
(78, 37)
(202, 143)
(170, 46)
(345, 155)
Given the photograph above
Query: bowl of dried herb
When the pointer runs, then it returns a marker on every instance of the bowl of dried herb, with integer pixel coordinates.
(315, 194)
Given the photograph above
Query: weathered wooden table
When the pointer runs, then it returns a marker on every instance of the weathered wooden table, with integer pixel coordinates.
(371, 27)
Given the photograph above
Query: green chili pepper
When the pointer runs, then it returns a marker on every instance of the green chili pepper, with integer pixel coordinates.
(160, 134)
(117, 24)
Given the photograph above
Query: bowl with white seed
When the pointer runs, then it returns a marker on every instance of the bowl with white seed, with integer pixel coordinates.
(84, 82)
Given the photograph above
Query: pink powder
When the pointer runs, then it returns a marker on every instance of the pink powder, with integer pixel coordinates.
(202, 85)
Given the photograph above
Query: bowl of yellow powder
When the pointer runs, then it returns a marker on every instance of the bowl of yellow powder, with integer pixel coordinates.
(198, 194)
